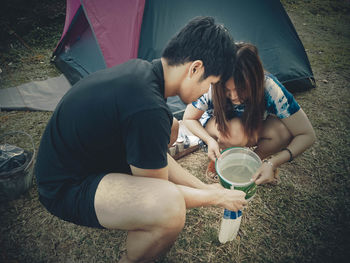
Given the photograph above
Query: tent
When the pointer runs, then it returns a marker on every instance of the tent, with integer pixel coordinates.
(102, 33)
(98, 34)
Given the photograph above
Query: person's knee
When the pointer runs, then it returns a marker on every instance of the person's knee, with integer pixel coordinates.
(284, 134)
(279, 134)
(171, 210)
(174, 132)
(236, 136)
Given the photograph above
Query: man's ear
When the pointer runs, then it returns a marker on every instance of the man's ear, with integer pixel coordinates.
(195, 68)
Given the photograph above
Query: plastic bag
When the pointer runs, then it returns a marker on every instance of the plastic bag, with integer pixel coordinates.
(11, 157)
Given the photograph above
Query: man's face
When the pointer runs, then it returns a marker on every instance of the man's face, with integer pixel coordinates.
(194, 85)
(193, 89)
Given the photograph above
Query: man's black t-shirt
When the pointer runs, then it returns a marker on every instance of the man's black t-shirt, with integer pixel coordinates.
(109, 120)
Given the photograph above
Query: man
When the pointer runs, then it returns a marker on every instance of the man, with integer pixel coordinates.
(103, 159)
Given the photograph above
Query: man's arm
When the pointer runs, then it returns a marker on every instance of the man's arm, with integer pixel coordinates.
(230, 199)
(161, 173)
(173, 172)
(195, 192)
(180, 176)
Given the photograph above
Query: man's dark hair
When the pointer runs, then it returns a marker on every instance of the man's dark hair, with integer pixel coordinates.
(202, 39)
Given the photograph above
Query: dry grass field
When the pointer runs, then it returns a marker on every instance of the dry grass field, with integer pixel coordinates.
(305, 218)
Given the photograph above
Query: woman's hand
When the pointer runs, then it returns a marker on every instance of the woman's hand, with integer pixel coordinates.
(213, 149)
(265, 174)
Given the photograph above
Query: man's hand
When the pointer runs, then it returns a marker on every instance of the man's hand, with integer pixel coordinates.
(232, 200)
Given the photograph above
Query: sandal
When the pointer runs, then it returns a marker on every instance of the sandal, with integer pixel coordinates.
(211, 174)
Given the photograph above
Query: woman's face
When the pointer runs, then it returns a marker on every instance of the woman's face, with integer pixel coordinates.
(230, 91)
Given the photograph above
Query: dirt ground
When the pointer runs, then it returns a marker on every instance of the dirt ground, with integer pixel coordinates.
(305, 218)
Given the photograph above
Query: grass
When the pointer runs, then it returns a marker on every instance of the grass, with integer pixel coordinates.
(305, 218)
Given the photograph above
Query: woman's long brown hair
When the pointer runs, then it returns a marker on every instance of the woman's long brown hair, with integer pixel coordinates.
(248, 76)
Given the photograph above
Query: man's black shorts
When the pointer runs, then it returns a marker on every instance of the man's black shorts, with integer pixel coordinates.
(76, 204)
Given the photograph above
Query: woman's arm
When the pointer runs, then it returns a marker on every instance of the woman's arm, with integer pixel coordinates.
(191, 120)
(303, 136)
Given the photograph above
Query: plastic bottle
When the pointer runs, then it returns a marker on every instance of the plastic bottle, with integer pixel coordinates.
(230, 224)
(187, 142)
(180, 144)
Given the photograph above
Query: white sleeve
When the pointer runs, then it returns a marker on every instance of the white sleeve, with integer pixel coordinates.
(204, 101)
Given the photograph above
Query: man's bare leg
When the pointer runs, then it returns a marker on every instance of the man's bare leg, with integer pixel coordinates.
(152, 210)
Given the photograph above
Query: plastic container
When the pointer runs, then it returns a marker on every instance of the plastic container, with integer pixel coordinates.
(236, 167)
(17, 180)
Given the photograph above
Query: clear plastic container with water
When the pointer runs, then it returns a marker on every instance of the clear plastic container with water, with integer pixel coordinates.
(236, 167)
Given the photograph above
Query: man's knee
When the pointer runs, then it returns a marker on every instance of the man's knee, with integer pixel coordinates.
(171, 209)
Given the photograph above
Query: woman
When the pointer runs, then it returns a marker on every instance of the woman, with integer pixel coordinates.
(252, 109)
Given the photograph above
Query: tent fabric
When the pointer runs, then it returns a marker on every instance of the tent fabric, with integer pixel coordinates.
(102, 34)
(71, 9)
(118, 33)
(82, 54)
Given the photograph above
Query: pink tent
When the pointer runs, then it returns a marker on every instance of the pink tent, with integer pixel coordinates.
(92, 39)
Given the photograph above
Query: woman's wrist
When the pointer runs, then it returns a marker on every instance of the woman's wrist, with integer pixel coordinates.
(291, 157)
(209, 139)
(270, 163)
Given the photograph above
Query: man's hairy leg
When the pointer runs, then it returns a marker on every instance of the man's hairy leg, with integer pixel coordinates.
(152, 210)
